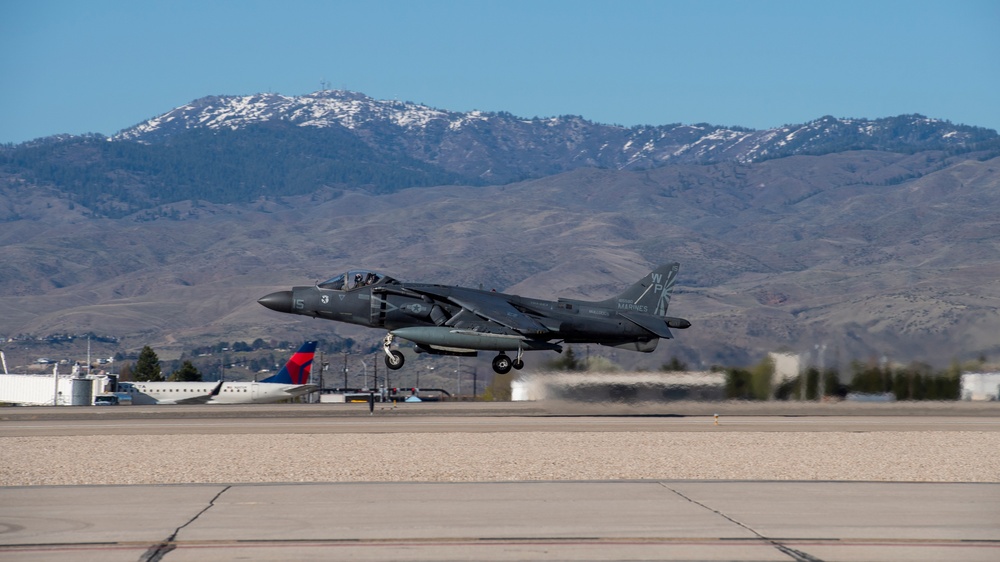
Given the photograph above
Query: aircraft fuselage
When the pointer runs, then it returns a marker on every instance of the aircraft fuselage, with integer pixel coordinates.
(567, 320)
(459, 320)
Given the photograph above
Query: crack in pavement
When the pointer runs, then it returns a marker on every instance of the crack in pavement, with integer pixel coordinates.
(156, 552)
(796, 555)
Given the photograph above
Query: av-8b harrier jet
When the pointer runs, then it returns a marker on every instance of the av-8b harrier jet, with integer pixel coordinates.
(448, 320)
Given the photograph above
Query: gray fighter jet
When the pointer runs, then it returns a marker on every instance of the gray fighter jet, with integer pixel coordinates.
(447, 320)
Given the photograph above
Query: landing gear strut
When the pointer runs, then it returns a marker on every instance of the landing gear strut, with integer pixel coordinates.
(393, 358)
(518, 361)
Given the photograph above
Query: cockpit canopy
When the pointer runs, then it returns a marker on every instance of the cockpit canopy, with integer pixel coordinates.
(354, 279)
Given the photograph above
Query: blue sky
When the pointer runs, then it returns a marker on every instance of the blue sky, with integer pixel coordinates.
(101, 66)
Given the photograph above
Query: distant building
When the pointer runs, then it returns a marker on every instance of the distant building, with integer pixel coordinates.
(980, 386)
(620, 387)
(787, 366)
(51, 390)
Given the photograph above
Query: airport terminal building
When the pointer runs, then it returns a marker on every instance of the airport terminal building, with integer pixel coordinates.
(980, 386)
(51, 390)
(620, 387)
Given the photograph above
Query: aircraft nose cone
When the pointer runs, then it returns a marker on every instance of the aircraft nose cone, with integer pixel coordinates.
(280, 301)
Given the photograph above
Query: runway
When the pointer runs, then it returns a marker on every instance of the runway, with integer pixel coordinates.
(464, 417)
(363, 424)
(531, 497)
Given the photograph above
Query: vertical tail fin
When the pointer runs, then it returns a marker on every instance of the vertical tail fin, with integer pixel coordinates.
(650, 295)
(297, 370)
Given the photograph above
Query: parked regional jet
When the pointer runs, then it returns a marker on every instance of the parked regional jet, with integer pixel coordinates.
(290, 382)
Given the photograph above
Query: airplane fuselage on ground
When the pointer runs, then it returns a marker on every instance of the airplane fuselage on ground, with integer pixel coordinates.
(230, 392)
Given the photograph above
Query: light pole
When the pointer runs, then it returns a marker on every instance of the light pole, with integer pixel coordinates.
(322, 367)
(387, 387)
(820, 350)
(458, 376)
(345, 370)
(430, 371)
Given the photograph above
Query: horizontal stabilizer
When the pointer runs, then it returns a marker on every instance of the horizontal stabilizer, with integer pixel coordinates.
(652, 324)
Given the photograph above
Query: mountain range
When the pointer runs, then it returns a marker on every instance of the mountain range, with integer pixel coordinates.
(869, 239)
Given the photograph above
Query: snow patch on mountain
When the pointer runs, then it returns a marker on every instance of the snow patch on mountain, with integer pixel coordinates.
(478, 143)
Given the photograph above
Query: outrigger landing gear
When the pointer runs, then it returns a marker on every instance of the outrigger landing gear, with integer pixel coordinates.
(393, 358)
(519, 361)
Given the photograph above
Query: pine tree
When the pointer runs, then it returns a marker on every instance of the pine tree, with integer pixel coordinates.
(187, 373)
(675, 364)
(147, 368)
(761, 376)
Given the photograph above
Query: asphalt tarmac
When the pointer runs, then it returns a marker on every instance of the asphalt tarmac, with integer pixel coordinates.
(537, 520)
(627, 520)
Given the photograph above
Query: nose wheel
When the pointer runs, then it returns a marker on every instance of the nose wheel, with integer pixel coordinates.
(393, 357)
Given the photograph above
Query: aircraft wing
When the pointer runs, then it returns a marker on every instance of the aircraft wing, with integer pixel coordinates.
(202, 399)
(493, 308)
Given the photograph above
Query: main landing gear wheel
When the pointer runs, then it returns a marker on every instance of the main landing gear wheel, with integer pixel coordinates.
(394, 360)
(501, 364)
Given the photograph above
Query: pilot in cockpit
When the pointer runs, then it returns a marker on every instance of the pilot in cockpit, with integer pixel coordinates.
(352, 280)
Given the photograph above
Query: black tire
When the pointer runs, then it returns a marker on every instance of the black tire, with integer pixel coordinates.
(394, 360)
(501, 364)
(518, 364)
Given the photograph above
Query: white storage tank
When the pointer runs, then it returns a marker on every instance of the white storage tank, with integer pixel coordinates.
(82, 392)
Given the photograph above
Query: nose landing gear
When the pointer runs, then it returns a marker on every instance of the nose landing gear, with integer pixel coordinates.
(393, 358)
